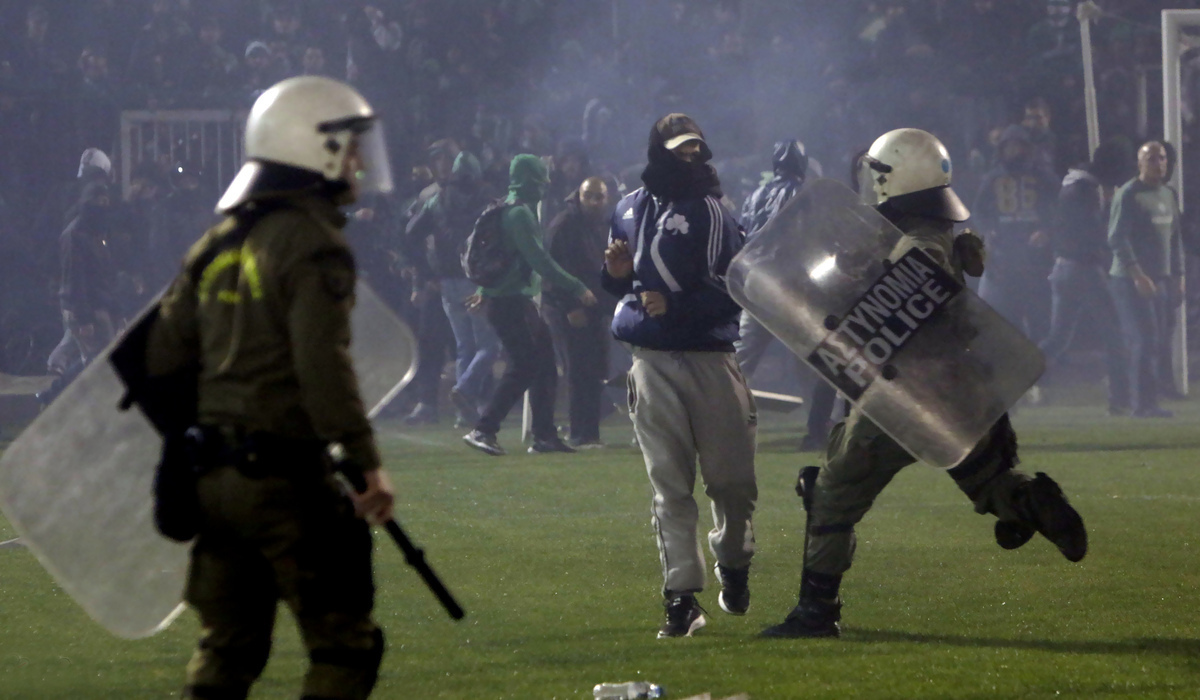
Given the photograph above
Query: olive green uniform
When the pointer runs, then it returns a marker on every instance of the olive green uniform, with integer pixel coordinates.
(861, 459)
(266, 314)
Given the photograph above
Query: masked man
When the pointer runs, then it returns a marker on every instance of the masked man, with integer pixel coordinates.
(669, 249)
(790, 164)
(910, 170)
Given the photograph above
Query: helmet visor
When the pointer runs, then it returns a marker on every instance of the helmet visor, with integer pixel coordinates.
(375, 175)
(865, 182)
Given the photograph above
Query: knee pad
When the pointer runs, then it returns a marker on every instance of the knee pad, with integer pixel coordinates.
(364, 662)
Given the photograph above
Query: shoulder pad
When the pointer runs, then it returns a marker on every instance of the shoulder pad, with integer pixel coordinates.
(337, 271)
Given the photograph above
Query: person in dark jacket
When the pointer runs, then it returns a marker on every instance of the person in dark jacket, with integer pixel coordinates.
(578, 236)
(86, 292)
(572, 165)
(790, 164)
(511, 311)
(669, 249)
(433, 242)
(1079, 281)
(1013, 211)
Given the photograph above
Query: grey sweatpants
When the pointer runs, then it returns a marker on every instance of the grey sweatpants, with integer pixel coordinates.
(689, 406)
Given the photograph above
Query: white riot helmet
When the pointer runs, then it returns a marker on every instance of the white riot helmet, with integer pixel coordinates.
(297, 136)
(909, 171)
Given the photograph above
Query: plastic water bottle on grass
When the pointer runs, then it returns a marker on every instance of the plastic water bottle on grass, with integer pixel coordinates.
(633, 690)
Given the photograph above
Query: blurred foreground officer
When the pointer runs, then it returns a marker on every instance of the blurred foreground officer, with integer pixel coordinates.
(669, 250)
(911, 173)
(263, 307)
(1147, 276)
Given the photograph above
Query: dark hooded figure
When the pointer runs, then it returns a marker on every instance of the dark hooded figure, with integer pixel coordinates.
(790, 163)
(572, 165)
(670, 246)
(1081, 261)
(1012, 211)
(86, 288)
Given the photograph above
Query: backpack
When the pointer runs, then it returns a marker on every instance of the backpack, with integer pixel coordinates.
(485, 259)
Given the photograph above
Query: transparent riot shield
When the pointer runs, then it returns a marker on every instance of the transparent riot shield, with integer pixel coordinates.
(76, 484)
(920, 354)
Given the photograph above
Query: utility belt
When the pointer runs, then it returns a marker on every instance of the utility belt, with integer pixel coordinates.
(256, 455)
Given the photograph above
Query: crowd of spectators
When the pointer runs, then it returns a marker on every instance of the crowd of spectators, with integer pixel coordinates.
(577, 80)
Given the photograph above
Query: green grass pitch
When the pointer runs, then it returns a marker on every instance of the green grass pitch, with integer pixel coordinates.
(554, 560)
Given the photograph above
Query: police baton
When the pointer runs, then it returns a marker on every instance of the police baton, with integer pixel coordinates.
(413, 555)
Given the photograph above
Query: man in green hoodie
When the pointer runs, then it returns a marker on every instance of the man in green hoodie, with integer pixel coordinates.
(511, 312)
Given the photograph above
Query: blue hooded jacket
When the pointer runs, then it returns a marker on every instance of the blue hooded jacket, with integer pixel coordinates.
(791, 167)
(681, 249)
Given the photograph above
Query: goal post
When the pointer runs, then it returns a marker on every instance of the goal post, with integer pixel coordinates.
(1174, 24)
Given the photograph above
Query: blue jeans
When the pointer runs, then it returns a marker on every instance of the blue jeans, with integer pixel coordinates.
(476, 346)
(1077, 291)
(1147, 324)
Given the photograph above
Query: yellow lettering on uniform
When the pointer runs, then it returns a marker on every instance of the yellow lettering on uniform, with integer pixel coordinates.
(242, 258)
(218, 265)
(250, 268)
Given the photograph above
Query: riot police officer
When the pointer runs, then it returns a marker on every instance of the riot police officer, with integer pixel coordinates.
(262, 308)
(908, 171)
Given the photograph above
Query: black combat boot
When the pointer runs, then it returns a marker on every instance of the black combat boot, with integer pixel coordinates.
(818, 612)
(1044, 508)
(810, 618)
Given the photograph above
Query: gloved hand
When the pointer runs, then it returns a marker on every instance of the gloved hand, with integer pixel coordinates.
(970, 253)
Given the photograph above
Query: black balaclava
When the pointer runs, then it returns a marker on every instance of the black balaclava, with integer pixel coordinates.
(790, 160)
(669, 177)
(92, 214)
